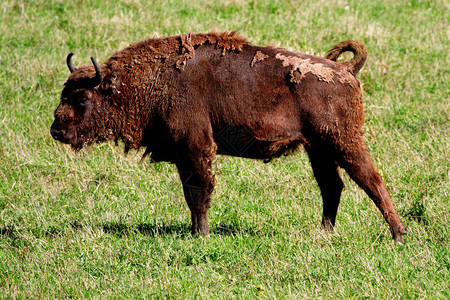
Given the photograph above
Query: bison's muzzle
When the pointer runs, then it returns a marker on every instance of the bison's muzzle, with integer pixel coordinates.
(58, 135)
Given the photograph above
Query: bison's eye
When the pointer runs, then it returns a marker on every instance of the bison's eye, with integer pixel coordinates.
(84, 97)
(84, 100)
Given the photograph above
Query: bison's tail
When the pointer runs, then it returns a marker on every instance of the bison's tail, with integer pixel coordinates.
(359, 50)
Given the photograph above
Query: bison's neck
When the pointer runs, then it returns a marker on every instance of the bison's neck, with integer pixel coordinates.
(135, 117)
(134, 90)
(128, 114)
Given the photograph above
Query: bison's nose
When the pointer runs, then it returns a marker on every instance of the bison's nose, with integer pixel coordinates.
(57, 134)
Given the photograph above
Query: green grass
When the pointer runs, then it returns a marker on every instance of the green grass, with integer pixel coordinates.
(97, 224)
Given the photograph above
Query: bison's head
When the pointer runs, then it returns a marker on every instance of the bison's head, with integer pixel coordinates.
(81, 112)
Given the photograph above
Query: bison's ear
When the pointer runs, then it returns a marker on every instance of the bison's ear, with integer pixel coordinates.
(110, 84)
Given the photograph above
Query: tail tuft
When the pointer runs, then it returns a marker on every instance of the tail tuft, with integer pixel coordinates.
(359, 50)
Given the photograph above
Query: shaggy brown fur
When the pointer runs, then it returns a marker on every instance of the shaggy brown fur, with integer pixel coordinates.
(187, 97)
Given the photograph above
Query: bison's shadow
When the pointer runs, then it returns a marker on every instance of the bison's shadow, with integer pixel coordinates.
(120, 230)
(180, 229)
(149, 229)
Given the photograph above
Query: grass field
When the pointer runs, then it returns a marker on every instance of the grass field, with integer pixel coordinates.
(97, 224)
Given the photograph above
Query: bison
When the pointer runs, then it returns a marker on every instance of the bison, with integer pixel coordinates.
(188, 97)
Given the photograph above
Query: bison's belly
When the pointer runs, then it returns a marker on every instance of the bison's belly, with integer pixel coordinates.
(243, 142)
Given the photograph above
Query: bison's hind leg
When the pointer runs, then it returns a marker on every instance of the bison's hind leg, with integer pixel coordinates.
(326, 171)
(355, 159)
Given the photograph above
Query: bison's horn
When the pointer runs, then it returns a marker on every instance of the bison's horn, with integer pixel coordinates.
(70, 63)
(98, 69)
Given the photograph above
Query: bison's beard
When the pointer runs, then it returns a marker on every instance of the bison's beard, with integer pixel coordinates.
(85, 137)
(78, 139)
(81, 141)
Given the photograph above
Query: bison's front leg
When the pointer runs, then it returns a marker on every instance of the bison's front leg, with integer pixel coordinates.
(198, 184)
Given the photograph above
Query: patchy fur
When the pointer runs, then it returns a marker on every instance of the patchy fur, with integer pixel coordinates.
(188, 97)
(259, 56)
(301, 66)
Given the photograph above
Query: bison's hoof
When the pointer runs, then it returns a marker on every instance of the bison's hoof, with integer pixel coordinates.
(398, 236)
